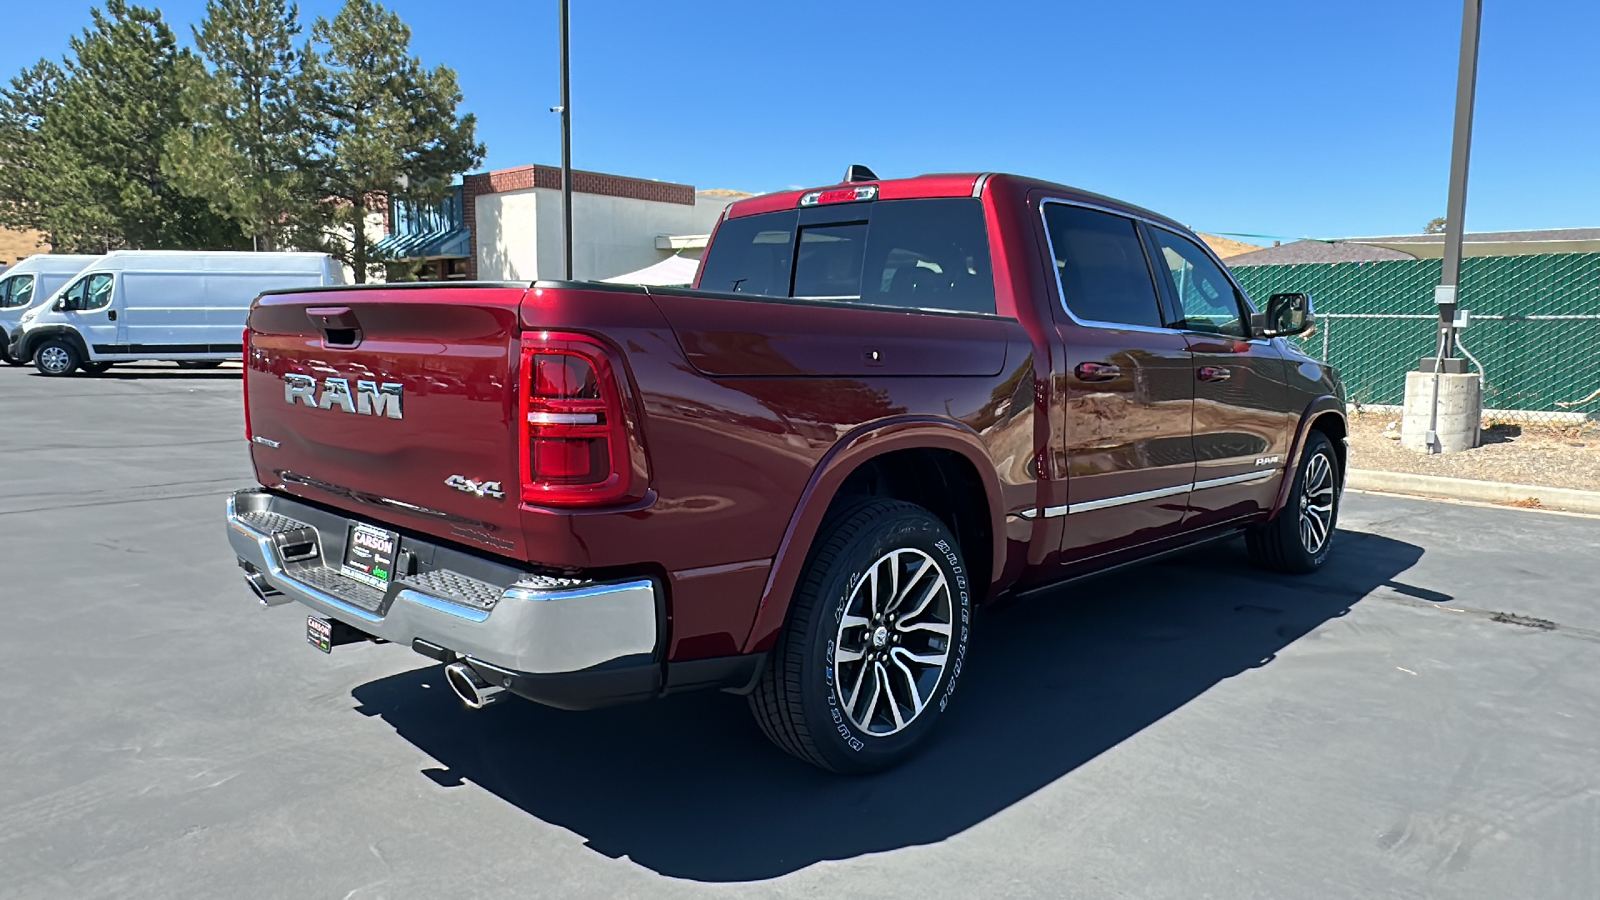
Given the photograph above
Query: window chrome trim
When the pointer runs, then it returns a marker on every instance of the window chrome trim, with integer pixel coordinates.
(1061, 291)
(1051, 512)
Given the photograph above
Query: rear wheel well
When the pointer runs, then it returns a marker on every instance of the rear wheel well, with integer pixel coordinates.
(1334, 427)
(944, 483)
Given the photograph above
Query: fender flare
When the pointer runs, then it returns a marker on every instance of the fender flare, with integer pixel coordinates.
(32, 339)
(847, 455)
(1320, 407)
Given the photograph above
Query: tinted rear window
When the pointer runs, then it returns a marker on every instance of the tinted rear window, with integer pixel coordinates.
(752, 255)
(912, 254)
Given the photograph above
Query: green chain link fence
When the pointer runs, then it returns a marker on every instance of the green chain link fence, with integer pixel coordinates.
(1534, 332)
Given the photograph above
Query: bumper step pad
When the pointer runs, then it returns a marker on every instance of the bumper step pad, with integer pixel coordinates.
(455, 587)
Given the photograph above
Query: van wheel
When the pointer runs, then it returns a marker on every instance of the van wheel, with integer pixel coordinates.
(874, 643)
(1298, 540)
(5, 354)
(56, 357)
(198, 363)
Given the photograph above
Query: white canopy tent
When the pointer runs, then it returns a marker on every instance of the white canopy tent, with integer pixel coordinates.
(674, 270)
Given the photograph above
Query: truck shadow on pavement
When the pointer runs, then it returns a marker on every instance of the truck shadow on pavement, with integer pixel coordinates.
(689, 788)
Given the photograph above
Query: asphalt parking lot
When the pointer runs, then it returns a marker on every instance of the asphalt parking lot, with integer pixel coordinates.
(1419, 720)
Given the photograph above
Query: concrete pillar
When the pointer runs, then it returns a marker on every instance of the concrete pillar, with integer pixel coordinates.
(1460, 411)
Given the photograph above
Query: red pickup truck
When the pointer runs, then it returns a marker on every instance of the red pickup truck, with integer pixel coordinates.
(883, 404)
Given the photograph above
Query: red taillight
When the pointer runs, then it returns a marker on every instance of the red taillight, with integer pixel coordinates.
(244, 341)
(574, 445)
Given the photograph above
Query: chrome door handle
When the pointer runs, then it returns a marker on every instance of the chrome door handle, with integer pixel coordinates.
(1096, 371)
(1213, 373)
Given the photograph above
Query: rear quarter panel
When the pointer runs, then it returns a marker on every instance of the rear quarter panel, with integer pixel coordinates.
(731, 457)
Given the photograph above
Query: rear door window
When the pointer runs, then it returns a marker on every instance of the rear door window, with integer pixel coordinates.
(930, 254)
(1104, 276)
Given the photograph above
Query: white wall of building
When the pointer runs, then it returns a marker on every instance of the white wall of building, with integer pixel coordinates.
(519, 233)
(508, 233)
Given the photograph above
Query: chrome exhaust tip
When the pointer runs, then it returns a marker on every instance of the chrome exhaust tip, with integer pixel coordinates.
(470, 686)
(263, 589)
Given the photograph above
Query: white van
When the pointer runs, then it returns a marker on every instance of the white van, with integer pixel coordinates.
(188, 306)
(30, 283)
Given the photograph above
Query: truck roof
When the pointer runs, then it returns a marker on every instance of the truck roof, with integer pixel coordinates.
(970, 184)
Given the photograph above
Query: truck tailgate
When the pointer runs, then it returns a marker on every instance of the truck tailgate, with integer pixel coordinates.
(392, 402)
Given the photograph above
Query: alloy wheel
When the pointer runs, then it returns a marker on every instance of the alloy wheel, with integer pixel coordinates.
(54, 359)
(893, 642)
(1316, 504)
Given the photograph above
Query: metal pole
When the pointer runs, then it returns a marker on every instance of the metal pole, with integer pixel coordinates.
(566, 147)
(1456, 210)
(1461, 147)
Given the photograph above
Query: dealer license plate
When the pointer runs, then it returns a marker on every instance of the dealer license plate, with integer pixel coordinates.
(369, 554)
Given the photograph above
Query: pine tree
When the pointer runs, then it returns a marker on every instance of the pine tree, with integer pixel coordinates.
(25, 176)
(108, 134)
(249, 149)
(391, 127)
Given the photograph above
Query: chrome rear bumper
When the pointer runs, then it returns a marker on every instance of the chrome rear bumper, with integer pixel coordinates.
(482, 611)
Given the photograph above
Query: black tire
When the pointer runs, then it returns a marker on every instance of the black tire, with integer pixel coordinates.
(797, 702)
(5, 352)
(56, 357)
(1291, 543)
(198, 363)
(94, 368)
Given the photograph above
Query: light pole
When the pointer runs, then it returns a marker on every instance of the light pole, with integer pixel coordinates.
(1445, 295)
(566, 144)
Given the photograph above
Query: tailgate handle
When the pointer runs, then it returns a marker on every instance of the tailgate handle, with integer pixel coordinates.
(337, 325)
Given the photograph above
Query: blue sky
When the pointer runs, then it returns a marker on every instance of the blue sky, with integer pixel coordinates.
(1280, 118)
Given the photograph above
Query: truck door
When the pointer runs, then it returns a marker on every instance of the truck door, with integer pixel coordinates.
(1242, 425)
(92, 311)
(1127, 388)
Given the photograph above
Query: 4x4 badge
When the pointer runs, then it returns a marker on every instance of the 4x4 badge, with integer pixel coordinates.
(476, 488)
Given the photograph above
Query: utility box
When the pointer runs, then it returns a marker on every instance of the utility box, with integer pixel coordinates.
(1460, 412)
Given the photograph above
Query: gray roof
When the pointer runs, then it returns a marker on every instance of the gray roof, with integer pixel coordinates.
(1478, 237)
(1366, 249)
(1315, 252)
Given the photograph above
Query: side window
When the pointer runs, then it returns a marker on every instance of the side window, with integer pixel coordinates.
(751, 255)
(1103, 273)
(21, 291)
(74, 295)
(827, 265)
(1208, 299)
(98, 293)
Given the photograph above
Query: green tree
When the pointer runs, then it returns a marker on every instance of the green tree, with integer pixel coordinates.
(390, 126)
(1434, 226)
(249, 148)
(108, 134)
(25, 172)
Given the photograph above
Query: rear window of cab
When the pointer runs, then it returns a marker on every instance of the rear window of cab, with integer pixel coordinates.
(928, 254)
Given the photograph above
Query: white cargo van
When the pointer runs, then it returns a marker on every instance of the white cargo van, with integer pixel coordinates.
(30, 283)
(185, 306)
